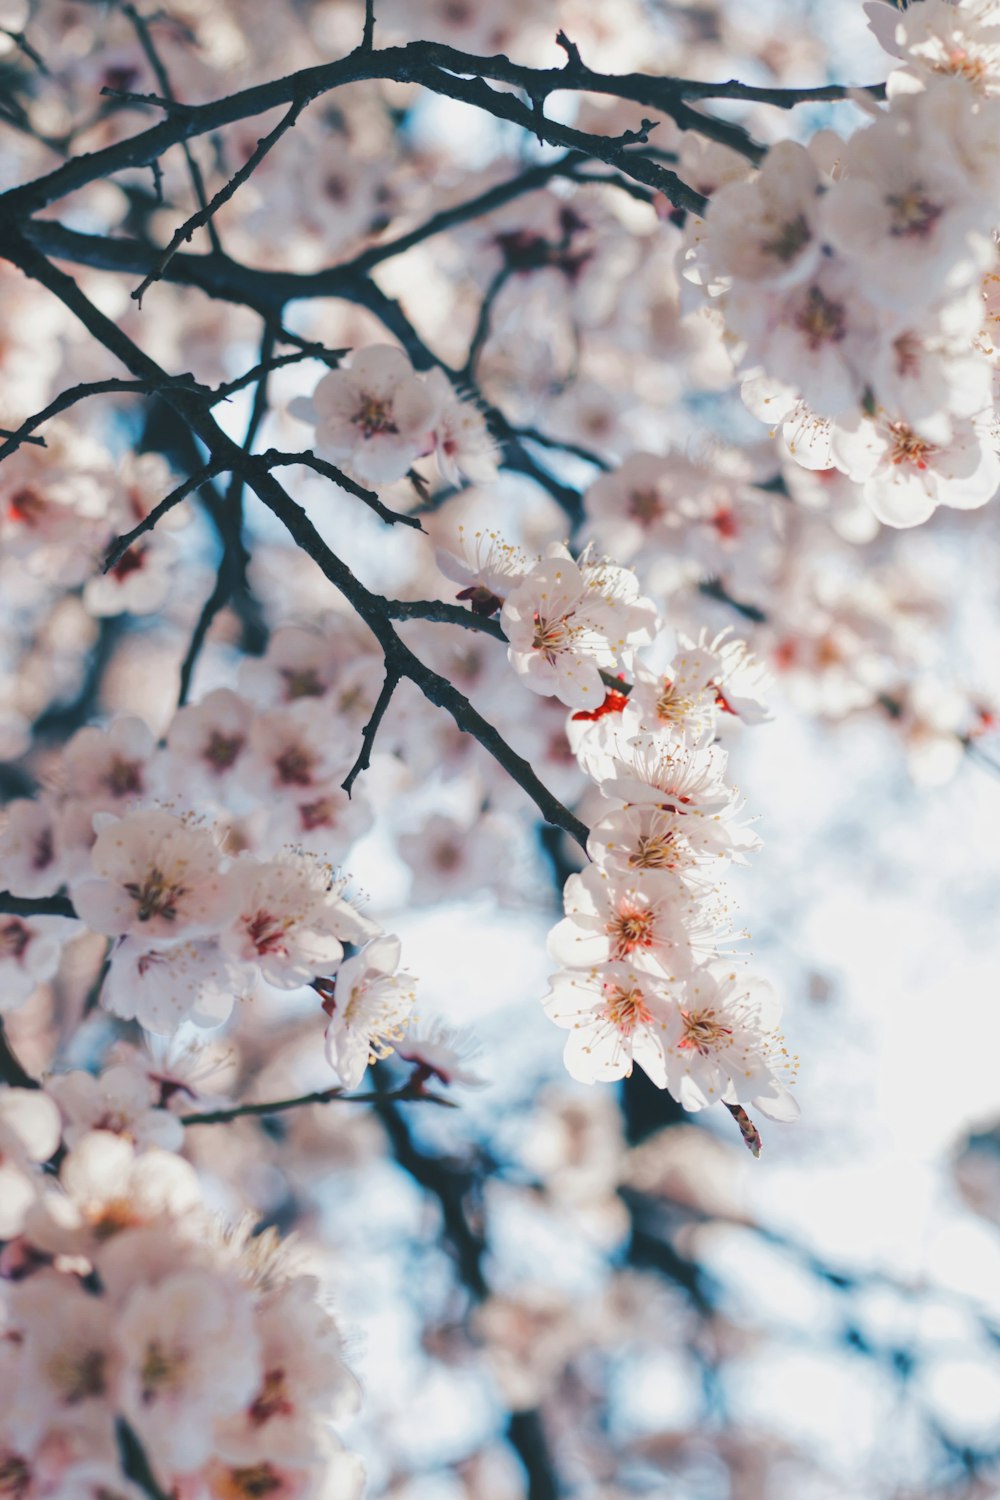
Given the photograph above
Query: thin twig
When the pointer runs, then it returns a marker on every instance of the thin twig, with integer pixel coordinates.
(81, 392)
(713, 588)
(409, 1093)
(141, 27)
(309, 460)
(121, 545)
(533, 435)
(368, 35)
(308, 351)
(224, 194)
(370, 730)
(443, 614)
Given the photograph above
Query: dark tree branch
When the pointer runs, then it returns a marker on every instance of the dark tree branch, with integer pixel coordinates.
(135, 1462)
(368, 35)
(232, 564)
(142, 31)
(330, 357)
(36, 906)
(408, 1094)
(229, 456)
(121, 545)
(371, 729)
(76, 393)
(460, 75)
(713, 588)
(12, 1070)
(473, 208)
(532, 435)
(204, 214)
(443, 614)
(309, 460)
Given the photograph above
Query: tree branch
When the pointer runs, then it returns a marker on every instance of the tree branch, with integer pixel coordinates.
(121, 545)
(309, 460)
(229, 456)
(142, 31)
(204, 214)
(370, 730)
(408, 1094)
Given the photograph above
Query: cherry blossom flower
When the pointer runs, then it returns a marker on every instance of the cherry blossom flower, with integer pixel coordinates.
(487, 567)
(67, 1369)
(161, 987)
(721, 1043)
(122, 1100)
(905, 477)
(190, 1356)
(617, 1016)
(29, 864)
(660, 771)
(155, 877)
(291, 919)
(370, 1006)
(30, 951)
(463, 446)
(105, 1188)
(941, 38)
(763, 231)
(377, 417)
(297, 754)
(441, 1052)
(210, 737)
(565, 622)
(631, 840)
(303, 1376)
(900, 209)
(652, 924)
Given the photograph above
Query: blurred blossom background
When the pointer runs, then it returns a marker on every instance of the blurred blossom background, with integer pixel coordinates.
(554, 1288)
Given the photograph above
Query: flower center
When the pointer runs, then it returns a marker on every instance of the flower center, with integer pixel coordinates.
(222, 750)
(124, 777)
(645, 506)
(703, 1033)
(625, 1008)
(80, 1375)
(294, 766)
(254, 1483)
(267, 933)
(156, 896)
(821, 320)
(913, 213)
(374, 417)
(159, 1370)
(549, 637)
(789, 240)
(14, 939)
(907, 448)
(632, 927)
(302, 682)
(15, 1477)
(272, 1400)
(655, 851)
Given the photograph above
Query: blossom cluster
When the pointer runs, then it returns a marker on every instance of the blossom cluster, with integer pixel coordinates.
(207, 861)
(648, 971)
(648, 974)
(857, 277)
(379, 416)
(132, 1321)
